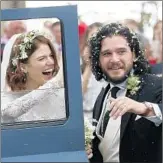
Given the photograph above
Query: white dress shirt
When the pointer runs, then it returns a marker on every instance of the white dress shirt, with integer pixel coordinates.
(109, 145)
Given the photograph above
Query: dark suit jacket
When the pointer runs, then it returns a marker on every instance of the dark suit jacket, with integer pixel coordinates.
(156, 69)
(141, 140)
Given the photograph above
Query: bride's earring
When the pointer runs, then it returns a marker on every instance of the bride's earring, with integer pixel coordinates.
(25, 77)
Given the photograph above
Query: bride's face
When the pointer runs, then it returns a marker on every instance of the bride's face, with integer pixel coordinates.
(40, 66)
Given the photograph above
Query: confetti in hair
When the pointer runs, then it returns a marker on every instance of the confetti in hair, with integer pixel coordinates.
(116, 29)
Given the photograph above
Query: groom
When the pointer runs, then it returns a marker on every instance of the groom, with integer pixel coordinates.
(127, 113)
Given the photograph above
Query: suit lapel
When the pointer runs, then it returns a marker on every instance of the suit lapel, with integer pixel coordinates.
(126, 117)
(97, 110)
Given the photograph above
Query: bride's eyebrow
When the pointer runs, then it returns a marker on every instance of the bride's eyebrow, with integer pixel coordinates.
(43, 55)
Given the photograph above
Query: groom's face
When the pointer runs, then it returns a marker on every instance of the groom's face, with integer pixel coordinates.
(116, 58)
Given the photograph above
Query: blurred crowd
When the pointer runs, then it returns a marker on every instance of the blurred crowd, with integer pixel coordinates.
(90, 87)
(153, 48)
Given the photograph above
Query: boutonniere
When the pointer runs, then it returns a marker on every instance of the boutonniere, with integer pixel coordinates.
(133, 84)
(89, 129)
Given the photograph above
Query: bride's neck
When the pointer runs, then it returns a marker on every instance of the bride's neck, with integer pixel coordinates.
(31, 85)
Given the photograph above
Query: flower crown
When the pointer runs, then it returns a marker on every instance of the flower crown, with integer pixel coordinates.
(26, 44)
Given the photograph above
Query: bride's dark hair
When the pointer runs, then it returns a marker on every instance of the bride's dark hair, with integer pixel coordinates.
(15, 77)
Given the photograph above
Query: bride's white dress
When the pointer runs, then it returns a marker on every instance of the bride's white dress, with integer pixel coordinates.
(45, 103)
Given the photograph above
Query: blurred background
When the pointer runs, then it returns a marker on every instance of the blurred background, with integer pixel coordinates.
(144, 17)
(146, 13)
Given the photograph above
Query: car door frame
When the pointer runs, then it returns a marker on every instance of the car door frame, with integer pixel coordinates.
(51, 141)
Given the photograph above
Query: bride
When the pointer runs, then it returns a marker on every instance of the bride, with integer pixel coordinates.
(29, 87)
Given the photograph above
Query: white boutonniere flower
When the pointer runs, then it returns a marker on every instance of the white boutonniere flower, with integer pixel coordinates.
(133, 84)
(89, 129)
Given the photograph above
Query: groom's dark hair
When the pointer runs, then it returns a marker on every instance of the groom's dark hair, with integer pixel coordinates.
(140, 66)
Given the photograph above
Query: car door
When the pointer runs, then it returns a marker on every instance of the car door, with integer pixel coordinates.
(59, 140)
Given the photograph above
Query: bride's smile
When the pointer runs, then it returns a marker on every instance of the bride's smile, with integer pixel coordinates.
(41, 65)
(34, 63)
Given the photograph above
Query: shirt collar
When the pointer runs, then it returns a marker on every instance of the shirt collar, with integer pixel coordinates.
(122, 85)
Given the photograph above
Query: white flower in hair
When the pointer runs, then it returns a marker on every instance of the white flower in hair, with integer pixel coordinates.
(14, 61)
(23, 55)
(26, 40)
(22, 47)
(27, 44)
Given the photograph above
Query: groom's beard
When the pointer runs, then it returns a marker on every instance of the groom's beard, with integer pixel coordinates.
(117, 81)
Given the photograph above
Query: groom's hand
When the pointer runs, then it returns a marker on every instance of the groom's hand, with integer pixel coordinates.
(121, 105)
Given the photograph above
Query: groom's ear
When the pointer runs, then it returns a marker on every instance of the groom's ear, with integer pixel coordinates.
(23, 67)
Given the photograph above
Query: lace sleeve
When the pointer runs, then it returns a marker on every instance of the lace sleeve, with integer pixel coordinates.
(21, 105)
